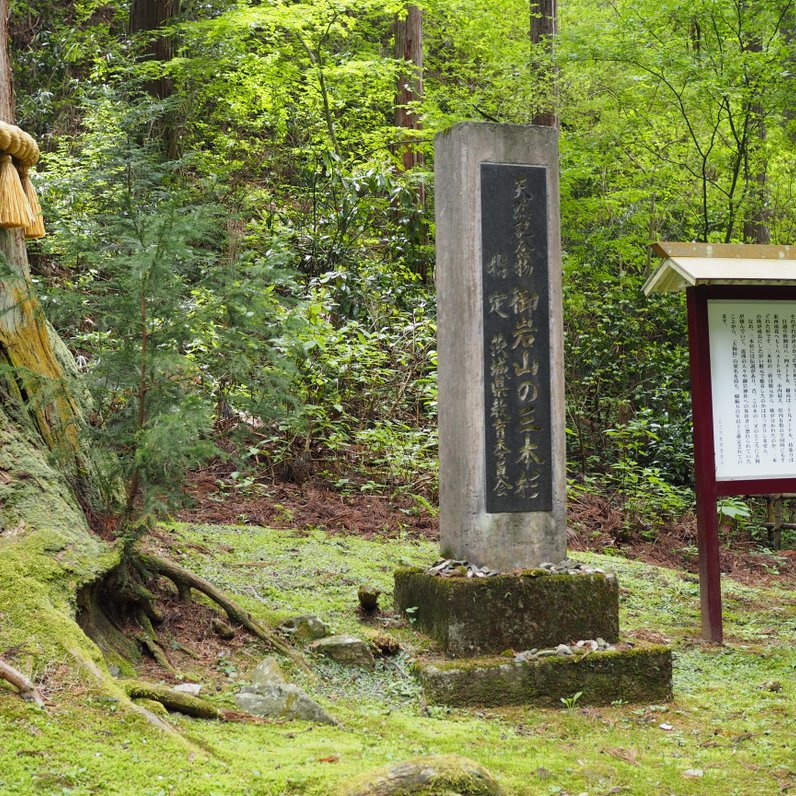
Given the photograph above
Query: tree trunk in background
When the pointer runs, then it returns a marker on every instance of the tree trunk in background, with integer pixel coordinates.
(755, 227)
(542, 33)
(409, 93)
(409, 49)
(147, 16)
(788, 32)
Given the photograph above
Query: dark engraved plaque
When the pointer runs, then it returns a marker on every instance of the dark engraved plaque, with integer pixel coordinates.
(516, 338)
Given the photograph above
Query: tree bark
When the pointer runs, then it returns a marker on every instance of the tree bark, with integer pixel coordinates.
(755, 228)
(47, 551)
(542, 35)
(409, 50)
(146, 16)
(35, 376)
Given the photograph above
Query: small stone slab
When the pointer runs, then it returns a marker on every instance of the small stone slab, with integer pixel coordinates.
(267, 672)
(303, 629)
(639, 675)
(348, 650)
(482, 616)
(281, 701)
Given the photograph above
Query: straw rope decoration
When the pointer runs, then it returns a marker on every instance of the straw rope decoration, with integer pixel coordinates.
(19, 205)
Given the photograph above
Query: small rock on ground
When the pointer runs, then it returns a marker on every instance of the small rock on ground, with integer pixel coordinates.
(368, 598)
(434, 774)
(281, 701)
(194, 689)
(344, 649)
(268, 672)
(304, 629)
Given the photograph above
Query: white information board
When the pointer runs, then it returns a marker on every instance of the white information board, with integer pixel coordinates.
(753, 378)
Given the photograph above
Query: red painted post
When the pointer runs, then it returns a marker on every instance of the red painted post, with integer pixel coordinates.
(704, 465)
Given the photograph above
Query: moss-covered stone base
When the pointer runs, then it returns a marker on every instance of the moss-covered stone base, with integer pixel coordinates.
(480, 616)
(640, 674)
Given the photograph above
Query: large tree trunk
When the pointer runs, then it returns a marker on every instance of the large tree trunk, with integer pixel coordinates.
(33, 373)
(51, 562)
(47, 551)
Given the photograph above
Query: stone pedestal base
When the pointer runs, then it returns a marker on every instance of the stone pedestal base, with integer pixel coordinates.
(482, 616)
(529, 623)
(641, 674)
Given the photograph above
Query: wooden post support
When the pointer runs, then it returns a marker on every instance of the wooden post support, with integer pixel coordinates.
(705, 473)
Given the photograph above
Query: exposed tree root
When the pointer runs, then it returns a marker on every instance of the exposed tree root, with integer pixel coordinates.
(185, 580)
(172, 700)
(21, 683)
(185, 703)
(149, 639)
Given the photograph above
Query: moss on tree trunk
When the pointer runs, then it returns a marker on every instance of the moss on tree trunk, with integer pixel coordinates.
(47, 553)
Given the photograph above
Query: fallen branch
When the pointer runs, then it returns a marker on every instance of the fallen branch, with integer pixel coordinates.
(185, 580)
(25, 687)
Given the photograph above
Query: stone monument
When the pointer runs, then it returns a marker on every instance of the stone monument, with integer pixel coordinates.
(504, 585)
(500, 344)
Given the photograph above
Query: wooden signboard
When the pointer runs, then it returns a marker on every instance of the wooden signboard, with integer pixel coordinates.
(742, 340)
(743, 391)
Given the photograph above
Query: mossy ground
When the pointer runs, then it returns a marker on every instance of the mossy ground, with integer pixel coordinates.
(731, 719)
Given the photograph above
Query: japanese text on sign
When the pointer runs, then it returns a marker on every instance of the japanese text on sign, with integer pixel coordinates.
(753, 379)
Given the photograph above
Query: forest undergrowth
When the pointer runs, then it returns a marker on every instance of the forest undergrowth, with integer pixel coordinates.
(364, 505)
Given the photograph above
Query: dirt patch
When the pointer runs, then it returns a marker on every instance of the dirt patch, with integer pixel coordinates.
(315, 503)
(596, 524)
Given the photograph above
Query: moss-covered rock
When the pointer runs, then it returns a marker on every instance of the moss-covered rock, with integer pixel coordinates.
(640, 674)
(480, 616)
(434, 775)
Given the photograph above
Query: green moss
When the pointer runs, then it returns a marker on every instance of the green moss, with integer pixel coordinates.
(46, 554)
(436, 775)
(153, 706)
(642, 674)
(171, 700)
(724, 721)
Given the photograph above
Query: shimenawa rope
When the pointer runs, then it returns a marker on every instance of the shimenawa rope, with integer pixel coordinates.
(19, 205)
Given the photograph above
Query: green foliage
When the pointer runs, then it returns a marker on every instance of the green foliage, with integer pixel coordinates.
(688, 94)
(627, 371)
(146, 405)
(372, 387)
(162, 322)
(570, 702)
(308, 314)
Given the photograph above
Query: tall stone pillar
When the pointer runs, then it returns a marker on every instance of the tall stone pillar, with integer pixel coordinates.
(500, 345)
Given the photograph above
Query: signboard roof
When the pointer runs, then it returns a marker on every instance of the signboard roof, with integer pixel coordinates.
(690, 264)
